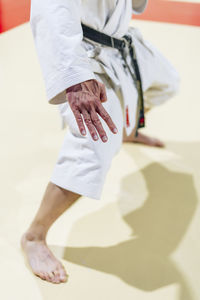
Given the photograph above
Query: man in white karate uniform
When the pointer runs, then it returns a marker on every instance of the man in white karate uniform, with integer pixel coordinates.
(96, 97)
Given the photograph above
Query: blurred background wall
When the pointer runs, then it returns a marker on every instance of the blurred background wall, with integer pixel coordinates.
(16, 12)
(13, 13)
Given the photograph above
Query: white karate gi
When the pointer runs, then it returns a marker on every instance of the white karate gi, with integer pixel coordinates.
(66, 60)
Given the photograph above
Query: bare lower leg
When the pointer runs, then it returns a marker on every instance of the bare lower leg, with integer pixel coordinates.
(42, 261)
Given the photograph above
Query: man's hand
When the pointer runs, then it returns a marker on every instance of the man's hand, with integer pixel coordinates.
(85, 100)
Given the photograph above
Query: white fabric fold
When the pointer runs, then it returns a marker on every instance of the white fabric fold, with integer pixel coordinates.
(57, 34)
(66, 59)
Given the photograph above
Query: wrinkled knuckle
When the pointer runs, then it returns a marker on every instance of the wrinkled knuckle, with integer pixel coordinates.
(79, 119)
(102, 133)
(106, 117)
(98, 122)
(95, 120)
(88, 121)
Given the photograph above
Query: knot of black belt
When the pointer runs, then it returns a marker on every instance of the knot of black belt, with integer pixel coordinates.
(121, 44)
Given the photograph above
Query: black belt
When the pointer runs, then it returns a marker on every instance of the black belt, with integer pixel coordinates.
(120, 44)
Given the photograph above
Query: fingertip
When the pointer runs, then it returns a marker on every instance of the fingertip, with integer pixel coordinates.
(83, 132)
(95, 137)
(104, 139)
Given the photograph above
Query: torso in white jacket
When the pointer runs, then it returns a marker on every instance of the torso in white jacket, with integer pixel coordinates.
(56, 27)
(110, 16)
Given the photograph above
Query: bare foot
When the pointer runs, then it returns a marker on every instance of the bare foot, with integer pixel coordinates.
(144, 139)
(42, 261)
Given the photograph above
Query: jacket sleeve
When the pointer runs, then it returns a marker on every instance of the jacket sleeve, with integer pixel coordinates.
(138, 6)
(57, 33)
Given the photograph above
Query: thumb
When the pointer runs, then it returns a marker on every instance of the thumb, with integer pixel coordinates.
(103, 96)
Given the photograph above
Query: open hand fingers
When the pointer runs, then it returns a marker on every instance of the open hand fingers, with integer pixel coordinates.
(85, 100)
(106, 117)
(98, 125)
(79, 121)
(93, 122)
(89, 124)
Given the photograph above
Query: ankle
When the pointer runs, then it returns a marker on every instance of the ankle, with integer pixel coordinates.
(30, 236)
(36, 233)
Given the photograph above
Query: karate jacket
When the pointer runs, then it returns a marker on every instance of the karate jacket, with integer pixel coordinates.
(65, 59)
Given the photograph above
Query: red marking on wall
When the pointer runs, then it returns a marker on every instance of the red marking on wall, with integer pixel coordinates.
(186, 13)
(16, 12)
(13, 13)
(1, 30)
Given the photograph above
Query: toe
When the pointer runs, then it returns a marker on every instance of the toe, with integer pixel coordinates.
(63, 277)
(41, 275)
(159, 143)
(56, 275)
(62, 273)
(50, 277)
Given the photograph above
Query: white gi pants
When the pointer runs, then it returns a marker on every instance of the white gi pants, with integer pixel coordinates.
(83, 163)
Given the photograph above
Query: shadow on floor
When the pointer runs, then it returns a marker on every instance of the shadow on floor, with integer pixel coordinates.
(158, 226)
